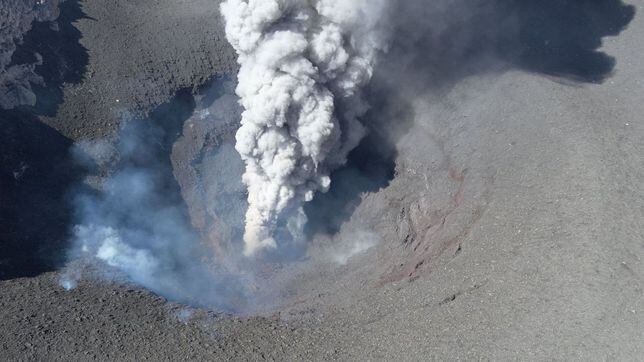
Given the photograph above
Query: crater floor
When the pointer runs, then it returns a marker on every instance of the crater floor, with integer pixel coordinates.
(511, 226)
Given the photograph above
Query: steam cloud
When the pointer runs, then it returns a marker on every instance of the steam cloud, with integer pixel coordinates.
(133, 221)
(302, 67)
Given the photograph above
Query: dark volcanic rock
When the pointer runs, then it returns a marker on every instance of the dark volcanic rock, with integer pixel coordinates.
(16, 76)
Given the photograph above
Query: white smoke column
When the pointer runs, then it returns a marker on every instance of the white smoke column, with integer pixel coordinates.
(302, 65)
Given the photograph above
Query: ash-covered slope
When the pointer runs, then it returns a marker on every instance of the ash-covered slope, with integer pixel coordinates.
(140, 55)
(499, 218)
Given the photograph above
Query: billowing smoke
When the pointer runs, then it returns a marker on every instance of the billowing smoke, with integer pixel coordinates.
(173, 224)
(302, 67)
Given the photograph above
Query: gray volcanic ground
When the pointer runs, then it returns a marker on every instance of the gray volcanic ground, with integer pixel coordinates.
(495, 210)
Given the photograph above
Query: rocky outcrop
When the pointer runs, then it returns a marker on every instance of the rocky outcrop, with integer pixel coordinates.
(18, 73)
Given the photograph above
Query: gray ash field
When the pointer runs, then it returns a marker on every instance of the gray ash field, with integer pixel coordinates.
(495, 209)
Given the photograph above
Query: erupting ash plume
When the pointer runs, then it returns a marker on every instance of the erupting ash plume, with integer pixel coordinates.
(302, 66)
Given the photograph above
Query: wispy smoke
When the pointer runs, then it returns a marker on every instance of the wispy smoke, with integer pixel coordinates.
(69, 281)
(302, 66)
(353, 244)
(136, 223)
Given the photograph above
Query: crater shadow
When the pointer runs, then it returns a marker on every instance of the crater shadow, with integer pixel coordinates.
(35, 173)
(370, 167)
